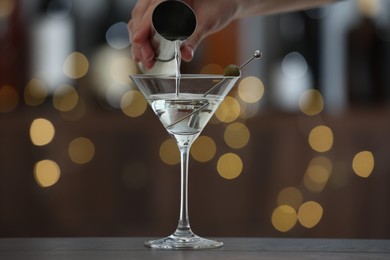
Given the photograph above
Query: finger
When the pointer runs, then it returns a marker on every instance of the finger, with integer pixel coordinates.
(137, 15)
(142, 40)
(189, 46)
(187, 52)
(141, 27)
(147, 53)
(134, 25)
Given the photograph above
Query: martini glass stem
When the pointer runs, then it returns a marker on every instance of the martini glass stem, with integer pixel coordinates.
(183, 227)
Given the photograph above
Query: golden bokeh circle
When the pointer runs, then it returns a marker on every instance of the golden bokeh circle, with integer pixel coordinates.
(203, 149)
(212, 68)
(76, 65)
(229, 166)
(363, 164)
(228, 110)
(65, 98)
(81, 150)
(169, 152)
(290, 196)
(46, 173)
(133, 103)
(35, 92)
(284, 218)
(42, 131)
(311, 102)
(310, 214)
(251, 89)
(321, 138)
(236, 135)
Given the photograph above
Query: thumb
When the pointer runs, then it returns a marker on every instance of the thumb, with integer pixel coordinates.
(187, 52)
(189, 46)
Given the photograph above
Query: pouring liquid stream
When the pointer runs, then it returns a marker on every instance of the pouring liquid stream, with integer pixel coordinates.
(177, 58)
(177, 68)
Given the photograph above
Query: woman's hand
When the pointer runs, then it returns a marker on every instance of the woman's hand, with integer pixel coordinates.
(211, 17)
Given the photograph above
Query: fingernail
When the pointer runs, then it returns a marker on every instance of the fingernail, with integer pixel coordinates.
(189, 50)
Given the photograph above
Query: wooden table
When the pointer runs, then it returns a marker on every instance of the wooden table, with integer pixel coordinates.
(234, 248)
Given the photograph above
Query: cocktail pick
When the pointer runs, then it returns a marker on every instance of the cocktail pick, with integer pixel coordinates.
(234, 70)
(257, 54)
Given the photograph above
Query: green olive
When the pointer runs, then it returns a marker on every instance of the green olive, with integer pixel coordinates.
(231, 70)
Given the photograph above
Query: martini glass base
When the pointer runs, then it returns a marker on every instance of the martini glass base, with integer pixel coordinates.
(183, 240)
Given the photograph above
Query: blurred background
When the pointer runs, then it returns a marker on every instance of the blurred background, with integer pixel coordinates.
(300, 148)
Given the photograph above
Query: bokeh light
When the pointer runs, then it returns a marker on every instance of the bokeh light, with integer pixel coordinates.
(114, 94)
(290, 196)
(321, 138)
(294, 65)
(228, 110)
(112, 65)
(290, 79)
(120, 69)
(35, 92)
(42, 131)
(6, 8)
(322, 161)
(318, 173)
(229, 166)
(117, 36)
(110, 72)
(249, 110)
(203, 149)
(46, 173)
(311, 102)
(284, 218)
(251, 89)
(118, 81)
(9, 98)
(369, 8)
(363, 164)
(212, 69)
(133, 103)
(76, 65)
(310, 214)
(169, 152)
(315, 178)
(65, 98)
(236, 135)
(81, 150)
(76, 113)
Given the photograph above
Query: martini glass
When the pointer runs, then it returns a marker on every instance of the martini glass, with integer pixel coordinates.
(184, 106)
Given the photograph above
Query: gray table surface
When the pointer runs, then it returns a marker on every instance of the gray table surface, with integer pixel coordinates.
(234, 248)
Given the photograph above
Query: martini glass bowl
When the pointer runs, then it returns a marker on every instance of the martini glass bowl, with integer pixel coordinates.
(184, 106)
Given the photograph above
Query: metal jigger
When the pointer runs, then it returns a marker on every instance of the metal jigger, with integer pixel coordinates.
(172, 21)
